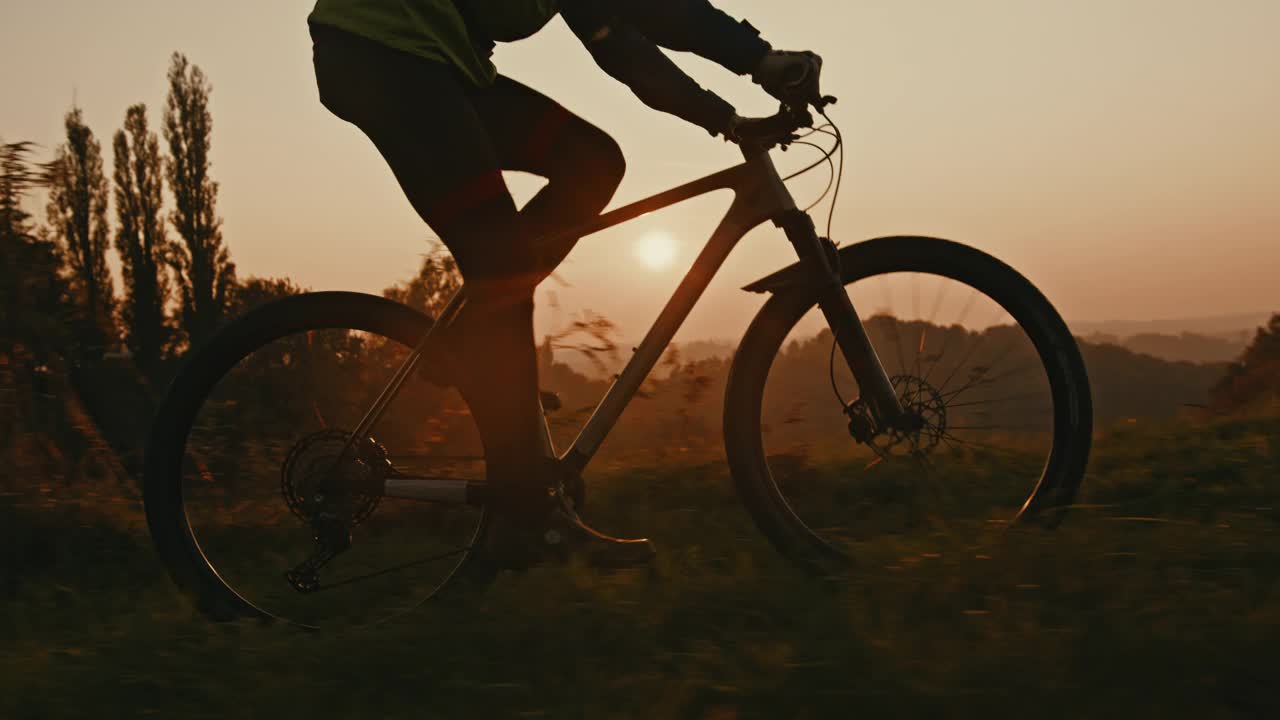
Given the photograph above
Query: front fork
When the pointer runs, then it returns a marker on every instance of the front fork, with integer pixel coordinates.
(822, 263)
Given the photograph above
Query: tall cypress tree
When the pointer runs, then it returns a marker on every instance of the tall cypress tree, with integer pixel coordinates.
(77, 213)
(202, 265)
(140, 237)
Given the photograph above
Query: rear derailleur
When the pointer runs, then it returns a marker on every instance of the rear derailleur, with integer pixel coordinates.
(333, 487)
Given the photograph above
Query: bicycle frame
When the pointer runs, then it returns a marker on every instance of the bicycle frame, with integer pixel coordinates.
(759, 195)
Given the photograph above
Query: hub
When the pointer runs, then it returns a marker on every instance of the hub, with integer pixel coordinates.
(918, 431)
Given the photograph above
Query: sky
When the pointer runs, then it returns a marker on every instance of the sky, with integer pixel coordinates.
(1123, 154)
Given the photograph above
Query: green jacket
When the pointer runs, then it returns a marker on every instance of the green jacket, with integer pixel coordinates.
(434, 29)
(625, 37)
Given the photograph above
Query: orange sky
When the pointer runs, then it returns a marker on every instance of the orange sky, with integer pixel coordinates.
(1124, 154)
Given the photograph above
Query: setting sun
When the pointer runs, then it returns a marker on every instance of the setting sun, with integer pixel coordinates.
(656, 250)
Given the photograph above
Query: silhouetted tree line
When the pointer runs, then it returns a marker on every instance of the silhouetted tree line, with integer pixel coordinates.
(178, 276)
(1253, 381)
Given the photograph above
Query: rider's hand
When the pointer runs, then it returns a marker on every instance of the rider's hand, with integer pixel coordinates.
(792, 77)
(730, 132)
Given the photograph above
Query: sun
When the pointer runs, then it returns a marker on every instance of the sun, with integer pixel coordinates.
(656, 250)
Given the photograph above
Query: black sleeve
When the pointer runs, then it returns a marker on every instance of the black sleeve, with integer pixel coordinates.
(627, 50)
(694, 26)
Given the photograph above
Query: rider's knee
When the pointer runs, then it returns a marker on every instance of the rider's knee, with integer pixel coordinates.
(613, 163)
(605, 166)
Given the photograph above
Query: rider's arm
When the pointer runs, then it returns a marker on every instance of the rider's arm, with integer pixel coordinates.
(625, 52)
(694, 26)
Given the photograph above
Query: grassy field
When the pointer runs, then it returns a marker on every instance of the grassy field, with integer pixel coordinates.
(1157, 597)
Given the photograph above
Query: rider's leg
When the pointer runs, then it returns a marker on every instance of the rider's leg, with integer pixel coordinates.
(426, 122)
(532, 133)
(583, 166)
(417, 114)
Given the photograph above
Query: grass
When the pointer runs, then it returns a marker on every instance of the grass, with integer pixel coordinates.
(1158, 596)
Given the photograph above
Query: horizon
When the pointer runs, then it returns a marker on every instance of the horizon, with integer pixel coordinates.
(1101, 154)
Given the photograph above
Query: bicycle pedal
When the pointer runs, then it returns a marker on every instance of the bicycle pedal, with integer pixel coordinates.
(600, 549)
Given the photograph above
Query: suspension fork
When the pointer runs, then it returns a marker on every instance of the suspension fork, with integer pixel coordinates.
(822, 263)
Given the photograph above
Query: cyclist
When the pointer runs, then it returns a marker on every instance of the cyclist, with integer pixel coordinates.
(416, 77)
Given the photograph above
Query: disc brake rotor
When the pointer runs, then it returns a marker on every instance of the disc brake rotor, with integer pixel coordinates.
(922, 402)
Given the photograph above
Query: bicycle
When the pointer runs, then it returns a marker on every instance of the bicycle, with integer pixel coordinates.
(335, 477)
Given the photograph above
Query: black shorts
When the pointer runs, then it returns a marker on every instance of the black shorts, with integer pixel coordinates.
(447, 142)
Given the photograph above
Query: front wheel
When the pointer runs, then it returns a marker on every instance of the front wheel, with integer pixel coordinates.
(973, 349)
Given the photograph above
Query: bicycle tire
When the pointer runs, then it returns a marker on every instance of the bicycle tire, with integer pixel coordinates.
(1054, 343)
(167, 518)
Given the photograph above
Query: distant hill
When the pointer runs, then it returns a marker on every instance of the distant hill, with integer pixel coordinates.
(1232, 326)
(1184, 347)
(1207, 340)
(682, 406)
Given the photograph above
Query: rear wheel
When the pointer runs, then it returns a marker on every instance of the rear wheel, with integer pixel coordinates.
(238, 460)
(974, 351)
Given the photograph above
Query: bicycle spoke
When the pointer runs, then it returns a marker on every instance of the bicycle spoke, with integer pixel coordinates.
(981, 380)
(994, 363)
(887, 294)
(929, 322)
(915, 296)
(972, 349)
(920, 347)
(937, 303)
(992, 401)
(946, 340)
(394, 568)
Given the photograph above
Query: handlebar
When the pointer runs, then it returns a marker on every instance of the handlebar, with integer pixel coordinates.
(763, 134)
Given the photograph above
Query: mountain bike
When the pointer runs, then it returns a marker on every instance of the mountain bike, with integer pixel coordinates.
(269, 494)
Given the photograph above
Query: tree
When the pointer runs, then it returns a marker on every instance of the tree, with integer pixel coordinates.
(257, 291)
(16, 177)
(1253, 381)
(429, 291)
(202, 265)
(77, 212)
(33, 308)
(140, 238)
